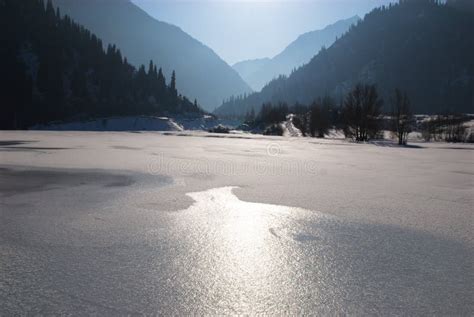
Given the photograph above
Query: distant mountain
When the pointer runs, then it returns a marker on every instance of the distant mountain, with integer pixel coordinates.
(248, 68)
(54, 69)
(202, 74)
(259, 72)
(420, 46)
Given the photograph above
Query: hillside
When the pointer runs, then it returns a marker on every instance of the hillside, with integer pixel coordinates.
(421, 47)
(202, 74)
(259, 72)
(54, 69)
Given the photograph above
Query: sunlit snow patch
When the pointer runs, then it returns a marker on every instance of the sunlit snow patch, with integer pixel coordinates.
(246, 221)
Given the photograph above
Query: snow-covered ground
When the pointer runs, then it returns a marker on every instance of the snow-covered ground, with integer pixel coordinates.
(186, 223)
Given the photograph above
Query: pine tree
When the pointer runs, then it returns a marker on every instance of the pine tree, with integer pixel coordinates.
(173, 89)
(161, 79)
(151, 67)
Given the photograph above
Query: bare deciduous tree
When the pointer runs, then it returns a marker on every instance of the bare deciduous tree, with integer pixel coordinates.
(361, 112)
(401, 117)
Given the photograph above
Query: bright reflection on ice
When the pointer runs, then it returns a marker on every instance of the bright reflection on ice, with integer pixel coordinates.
(237, 257)
(245, 251)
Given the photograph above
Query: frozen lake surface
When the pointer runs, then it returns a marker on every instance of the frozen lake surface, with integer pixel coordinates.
(193, 223)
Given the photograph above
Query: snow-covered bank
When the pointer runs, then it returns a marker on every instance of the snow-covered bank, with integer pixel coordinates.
(287, 128)
(116, 124)
(139, 123)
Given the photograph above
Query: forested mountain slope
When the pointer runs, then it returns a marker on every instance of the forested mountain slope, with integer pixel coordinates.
(54, 69)
(420, 46)
(202, 73)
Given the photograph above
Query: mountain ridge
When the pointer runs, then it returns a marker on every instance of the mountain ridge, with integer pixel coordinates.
(259, 72)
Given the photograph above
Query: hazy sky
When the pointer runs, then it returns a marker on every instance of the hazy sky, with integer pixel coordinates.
(245, 29)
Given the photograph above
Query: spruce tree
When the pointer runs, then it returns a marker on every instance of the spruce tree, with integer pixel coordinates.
(173, 89)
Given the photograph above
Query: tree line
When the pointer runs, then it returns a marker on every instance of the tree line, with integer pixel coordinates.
(359, 115)
(55, 69)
